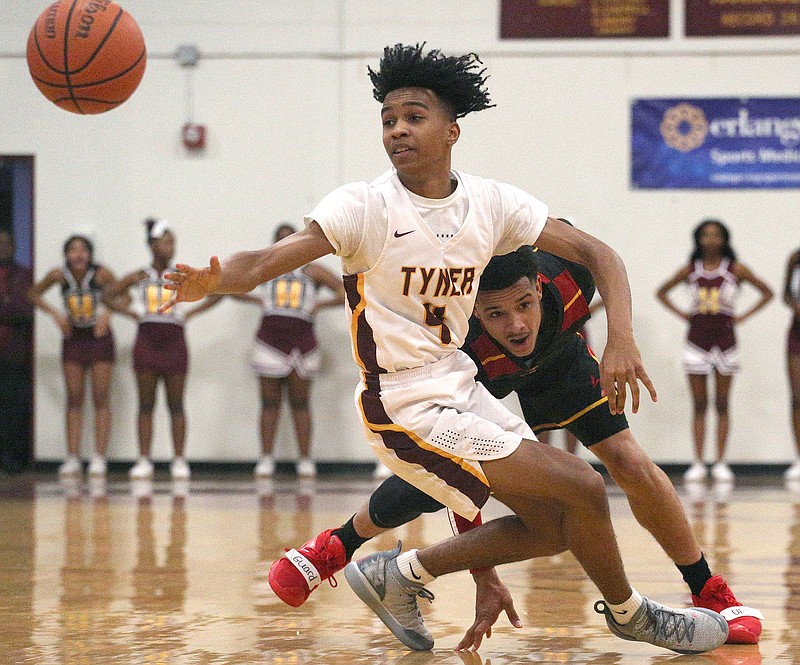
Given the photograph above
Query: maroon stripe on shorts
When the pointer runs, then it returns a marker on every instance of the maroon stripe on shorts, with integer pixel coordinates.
(361, 332)
(406, 449)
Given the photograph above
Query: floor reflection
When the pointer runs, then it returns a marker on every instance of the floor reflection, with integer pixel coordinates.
(165, 573)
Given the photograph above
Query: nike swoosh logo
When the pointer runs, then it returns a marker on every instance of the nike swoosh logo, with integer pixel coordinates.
(411, 568)
(400, 235)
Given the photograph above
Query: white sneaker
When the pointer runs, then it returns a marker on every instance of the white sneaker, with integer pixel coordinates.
(265, 467)
(722, 473)
(696, 472)
(142, 470)
(306, 468)
(71, 467)
(179, 469)
(793, 472)
(381, 472)
(97, 467)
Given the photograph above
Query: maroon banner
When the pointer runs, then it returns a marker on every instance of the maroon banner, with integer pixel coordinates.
(735, 18)
(560, 19)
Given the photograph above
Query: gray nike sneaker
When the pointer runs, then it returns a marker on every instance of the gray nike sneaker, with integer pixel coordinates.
(377, 580)
(688, 631)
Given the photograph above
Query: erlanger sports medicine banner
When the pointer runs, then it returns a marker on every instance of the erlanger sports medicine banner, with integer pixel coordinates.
(715, 143)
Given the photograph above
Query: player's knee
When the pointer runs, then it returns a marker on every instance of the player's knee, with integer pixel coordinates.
(396, 502)
(721, 406)
(146, 407)
(591, 489)
(630, 468)
(700, 406)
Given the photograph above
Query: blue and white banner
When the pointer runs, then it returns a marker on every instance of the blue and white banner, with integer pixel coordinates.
(715, 143)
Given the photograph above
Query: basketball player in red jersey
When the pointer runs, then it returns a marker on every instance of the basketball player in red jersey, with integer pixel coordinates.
(713, 276)
(524, 338)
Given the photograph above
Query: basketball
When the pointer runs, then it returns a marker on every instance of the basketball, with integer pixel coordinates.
(86, 56)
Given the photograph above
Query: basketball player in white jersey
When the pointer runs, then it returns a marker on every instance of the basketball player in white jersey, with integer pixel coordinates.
(413, 245)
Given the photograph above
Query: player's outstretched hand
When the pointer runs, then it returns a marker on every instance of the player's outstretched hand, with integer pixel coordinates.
(491, 598)
(622, 368)
(190, 284)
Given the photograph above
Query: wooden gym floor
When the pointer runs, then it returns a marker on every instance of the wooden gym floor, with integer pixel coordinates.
(167, 573)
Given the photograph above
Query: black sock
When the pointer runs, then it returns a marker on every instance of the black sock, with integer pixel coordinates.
(350, 539)
(696, 574)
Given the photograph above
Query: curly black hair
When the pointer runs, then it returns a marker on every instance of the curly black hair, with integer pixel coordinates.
(453, 79)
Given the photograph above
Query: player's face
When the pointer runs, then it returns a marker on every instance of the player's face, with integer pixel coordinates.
(512, 315)
(418, 131)
(78, 255)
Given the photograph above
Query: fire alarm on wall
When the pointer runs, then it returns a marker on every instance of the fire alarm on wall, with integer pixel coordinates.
(194, 136)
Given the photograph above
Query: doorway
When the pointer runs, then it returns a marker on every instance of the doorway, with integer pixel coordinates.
(16, 316)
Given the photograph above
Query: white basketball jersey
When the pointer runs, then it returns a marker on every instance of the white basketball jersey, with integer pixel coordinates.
(412, 306)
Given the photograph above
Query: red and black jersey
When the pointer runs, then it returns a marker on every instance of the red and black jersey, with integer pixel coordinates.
(567, 290)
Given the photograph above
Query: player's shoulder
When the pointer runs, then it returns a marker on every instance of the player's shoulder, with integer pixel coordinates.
(489, 185)
(353, 195)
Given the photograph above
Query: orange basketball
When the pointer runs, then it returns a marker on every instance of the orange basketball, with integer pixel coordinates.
(86, 56)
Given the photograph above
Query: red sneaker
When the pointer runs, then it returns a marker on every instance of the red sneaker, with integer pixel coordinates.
(295, 575)
(744, 623)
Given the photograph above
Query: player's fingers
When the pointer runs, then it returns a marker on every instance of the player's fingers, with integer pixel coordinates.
(467, 640)
(215, 265)
(634, 384)
(608, 384)
(480, 631)
(512, 615)
(169, 304)
(621, 392)
(648, 384)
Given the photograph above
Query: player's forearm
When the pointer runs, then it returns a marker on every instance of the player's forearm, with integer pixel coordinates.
(611, 280)
(243, 271)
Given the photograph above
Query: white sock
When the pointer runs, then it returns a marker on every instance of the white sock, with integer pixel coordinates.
(411, 568)
(624, 612)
